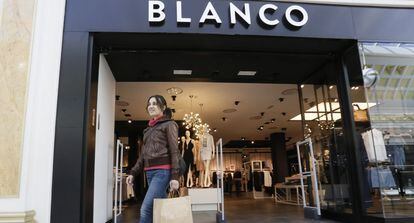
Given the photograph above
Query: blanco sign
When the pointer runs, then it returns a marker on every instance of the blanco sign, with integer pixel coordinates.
(156, 14)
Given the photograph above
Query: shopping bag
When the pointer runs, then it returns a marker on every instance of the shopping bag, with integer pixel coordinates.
(173, 209)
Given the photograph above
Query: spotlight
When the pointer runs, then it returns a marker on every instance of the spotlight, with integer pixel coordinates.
(129, 121)
(330, 87)
(302, 86)
(252, 142)
(243, 138)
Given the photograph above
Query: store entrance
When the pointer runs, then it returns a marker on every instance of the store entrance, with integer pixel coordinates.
(260, 96)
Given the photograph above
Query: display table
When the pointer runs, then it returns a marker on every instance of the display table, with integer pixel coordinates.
(204, 199)
(283, 194)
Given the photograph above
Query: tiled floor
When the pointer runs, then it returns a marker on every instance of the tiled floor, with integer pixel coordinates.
(241, 210)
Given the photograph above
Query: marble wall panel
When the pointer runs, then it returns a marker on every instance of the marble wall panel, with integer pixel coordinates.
(16, 18)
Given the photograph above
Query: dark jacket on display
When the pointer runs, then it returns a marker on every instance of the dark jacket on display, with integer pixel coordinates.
(160, 147)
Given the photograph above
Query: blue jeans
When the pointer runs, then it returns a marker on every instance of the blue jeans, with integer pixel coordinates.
(158, 181)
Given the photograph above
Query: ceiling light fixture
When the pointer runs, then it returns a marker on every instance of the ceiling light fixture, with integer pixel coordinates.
(182, 72)
(246, 73)
(174, 90)
(192, 120)
(129, 121)
(252, 142)
(302, 86)
(331, 87)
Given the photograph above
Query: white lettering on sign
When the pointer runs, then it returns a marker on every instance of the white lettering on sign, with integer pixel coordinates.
(263, 17)
(180, 17)
(244, 15)
(210, 13)
(295, 15)
(299, 9)
(156, 14)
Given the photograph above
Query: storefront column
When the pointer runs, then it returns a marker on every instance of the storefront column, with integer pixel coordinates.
(349, 131)
(279, 157)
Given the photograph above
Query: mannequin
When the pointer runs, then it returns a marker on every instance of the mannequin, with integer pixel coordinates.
(182, 148)
(188, 157)
(207, 154)
(198, 163)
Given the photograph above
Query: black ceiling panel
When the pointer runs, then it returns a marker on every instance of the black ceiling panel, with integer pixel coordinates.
(216, 58)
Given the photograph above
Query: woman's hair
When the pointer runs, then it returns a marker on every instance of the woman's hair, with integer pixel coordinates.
(162, 103)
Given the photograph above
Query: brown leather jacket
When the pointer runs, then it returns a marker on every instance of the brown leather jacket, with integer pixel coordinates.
(160, 147)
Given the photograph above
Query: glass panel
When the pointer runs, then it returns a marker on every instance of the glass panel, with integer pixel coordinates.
(329, 147)
(388, 139)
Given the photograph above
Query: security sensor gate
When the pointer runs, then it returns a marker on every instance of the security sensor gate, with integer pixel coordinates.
(118, 180)
(307, 170)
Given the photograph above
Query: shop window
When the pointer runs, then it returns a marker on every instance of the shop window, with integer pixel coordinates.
(388, 151)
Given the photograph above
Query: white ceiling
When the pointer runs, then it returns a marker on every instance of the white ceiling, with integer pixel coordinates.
(216, 97)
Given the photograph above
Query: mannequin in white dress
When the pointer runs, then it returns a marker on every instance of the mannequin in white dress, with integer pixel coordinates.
(207, 154)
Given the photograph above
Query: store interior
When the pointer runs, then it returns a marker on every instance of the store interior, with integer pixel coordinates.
(245, 101)
(260, 112)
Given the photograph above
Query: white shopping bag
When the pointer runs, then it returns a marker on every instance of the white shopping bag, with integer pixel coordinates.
(173, 210)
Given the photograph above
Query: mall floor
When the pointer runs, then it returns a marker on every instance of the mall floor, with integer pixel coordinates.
(240, 210)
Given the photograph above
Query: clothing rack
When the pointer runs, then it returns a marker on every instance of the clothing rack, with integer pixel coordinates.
(258, 194)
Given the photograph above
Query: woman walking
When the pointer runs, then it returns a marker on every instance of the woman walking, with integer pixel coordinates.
(159, 156)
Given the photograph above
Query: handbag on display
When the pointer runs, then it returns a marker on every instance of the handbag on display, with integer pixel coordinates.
(360, 115)
(174, 209)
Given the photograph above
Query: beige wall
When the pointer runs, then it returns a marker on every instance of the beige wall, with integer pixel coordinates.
(15, 41)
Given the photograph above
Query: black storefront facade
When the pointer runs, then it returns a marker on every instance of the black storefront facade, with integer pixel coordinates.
(92, 27)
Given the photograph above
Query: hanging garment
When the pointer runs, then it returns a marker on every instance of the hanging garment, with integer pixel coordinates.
(214, 178)
(258, 178)
(374, 145)
(381, 177)
(130, 191)
(396, 152)
(267, 179)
